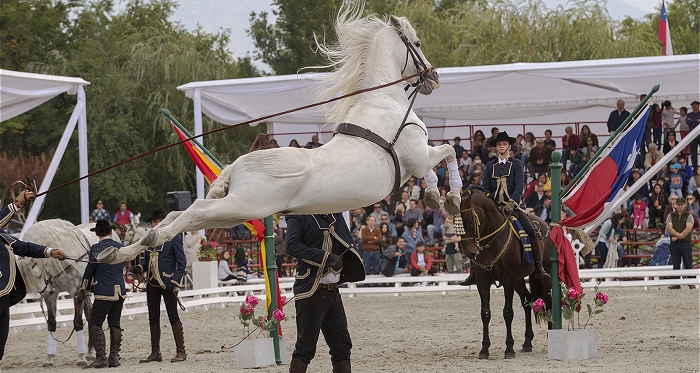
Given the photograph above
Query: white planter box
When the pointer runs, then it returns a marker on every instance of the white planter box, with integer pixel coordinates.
(260, 352)
(580, 344)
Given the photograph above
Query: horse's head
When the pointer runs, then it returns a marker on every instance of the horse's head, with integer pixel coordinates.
(474, 209)
(414, 61)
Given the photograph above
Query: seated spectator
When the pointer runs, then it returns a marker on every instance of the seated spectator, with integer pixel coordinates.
(412, 235)
(568, 141)
(438, 219)
(387, 238)
(544, 180)
(575, 158)
(564, 179)
(694, 182)
(671, 142)
(412, 189)
(476, 166)
(384, 219)
(644, 190)
(671, 206)
(537, 196)
(313, 144)
(589, 149)
(273, 144)
(243, 272)
(544, 211)
(404, 198)
(421, 263)
(294, 144)
(549, 142)
(653, 155)
(399, 218)
(394, 259)
(465, 161)
(453, 253)
(528, 143)
(639, 211)
(475, 179)
(657, 205)
(586, 134)
(457, 146)
(676, 180)
(693, 207)
(413, 211)
(225, 273)
(540, 158)
(377, 212)
(686, 168)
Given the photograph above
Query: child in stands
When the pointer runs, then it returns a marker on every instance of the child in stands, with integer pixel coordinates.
(639, 211)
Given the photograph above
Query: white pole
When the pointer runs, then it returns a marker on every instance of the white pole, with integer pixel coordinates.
(83, 158)
(198, 131)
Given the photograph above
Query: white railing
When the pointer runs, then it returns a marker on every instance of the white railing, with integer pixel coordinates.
(28, 315)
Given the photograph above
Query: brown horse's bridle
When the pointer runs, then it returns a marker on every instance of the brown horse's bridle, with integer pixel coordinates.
(478, 238)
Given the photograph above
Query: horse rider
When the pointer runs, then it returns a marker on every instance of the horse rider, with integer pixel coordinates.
(164, 266)
(318, 242)
(12, 288)
(504, 179)
(107, 284)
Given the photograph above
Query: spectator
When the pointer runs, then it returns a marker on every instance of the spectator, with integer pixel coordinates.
(494, 133)
(670, 207)
(686, 169)
(682, 125)
(693, 207)
(540, 158)
(564, 179)
(387, 238)
(680, 225)
(568, 141)
(589, 149)
(517, 147)
(653, 156)
(412, 235)
(413, 211)
(412, 189)
(670, 142)
(528, 143)
(384, 219)
(667, 114)
(575, 157)
(272, 144)
(658, 125)
(377, 212)
(639, 211)
(394, 259)
(99, 213)
(242, 270)
(544, 180)
(692, 119)
(657, 202)
(617, 116)
(438, 217)
(548, 141)
(399, 218)
(458, 148)
(646, 141)
(280, 249)
(676, 180)
(404, 198)
(476, 178)
(371, 244)
(313, 144)
(421, 263)
(477, 165)
(694, 182)
(453, 252)
(585, 134)
(643, 191)
(537, 196)
(620, 240)
(606, 236)
(123, 216)
(294, 144)
(225, 273)
(544, 211)
(478, 147)
(465, 161)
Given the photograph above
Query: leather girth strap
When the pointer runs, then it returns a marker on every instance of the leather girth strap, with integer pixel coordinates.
(357, 131)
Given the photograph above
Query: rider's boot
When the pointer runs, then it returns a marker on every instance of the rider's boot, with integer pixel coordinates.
(155, 346)
(539, 273)
(471, 280)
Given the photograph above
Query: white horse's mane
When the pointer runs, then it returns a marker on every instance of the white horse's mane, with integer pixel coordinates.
(347, 57)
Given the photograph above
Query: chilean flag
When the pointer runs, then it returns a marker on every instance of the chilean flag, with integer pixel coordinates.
(606, 177)
(664, 32)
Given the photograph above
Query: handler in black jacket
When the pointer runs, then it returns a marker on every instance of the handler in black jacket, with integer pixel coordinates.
(12, 289)
(318, 242)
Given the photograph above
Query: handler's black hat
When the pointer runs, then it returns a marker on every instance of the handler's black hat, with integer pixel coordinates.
(102, 228)
(502, 136)
(157, 214)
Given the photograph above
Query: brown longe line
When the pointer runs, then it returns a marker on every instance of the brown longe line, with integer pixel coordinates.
(229, 127)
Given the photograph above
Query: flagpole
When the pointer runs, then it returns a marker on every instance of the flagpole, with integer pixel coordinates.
(271, 266)
(183, 129)
(556, 215)
(610, 139)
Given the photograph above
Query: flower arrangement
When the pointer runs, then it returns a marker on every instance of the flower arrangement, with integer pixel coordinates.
(571, 306)
(208, 249)
(247, 315)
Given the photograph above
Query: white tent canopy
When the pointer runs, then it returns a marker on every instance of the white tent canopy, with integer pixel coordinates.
(512, 97)
(21, 92)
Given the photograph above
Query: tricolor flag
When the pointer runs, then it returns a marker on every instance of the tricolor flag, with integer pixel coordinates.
(665, 32)
(207, 166)
(590, 200)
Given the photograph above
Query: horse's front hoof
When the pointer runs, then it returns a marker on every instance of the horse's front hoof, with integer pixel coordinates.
(49, 361)
(526, 349)
(82, 361)
(432, 198)
(452, 203)
(509, 355)
(483, 356)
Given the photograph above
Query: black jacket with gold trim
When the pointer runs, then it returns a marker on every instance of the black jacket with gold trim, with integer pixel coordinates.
(105, 280)
(165, 264)
(512, 171)
(11, 281)
(305, 234)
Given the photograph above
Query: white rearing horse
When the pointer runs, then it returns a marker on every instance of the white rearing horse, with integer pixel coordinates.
(370, 52)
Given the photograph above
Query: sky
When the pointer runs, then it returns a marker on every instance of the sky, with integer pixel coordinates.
(214, 15)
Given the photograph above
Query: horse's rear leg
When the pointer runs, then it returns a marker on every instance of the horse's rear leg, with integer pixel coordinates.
(525, 300)
(508, 317)
(485, 294)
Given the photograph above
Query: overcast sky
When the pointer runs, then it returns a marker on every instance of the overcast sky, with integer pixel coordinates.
(234, 15)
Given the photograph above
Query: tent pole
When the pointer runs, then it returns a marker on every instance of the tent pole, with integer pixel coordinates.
(83, 157)
(197, 99)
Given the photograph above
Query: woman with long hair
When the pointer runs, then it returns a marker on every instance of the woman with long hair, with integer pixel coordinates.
(589, 149)
(528, 144)
(225, 273)
(387, 238)
(657, 205)
(294, 144)
(671, 141)
(242, 264)
(585, 134)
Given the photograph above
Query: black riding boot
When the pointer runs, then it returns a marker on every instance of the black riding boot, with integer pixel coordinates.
(342, 367)
(98, 340)
(471, 280)
(179, 336)
(155, 346)
(115, 342)
(297, 366)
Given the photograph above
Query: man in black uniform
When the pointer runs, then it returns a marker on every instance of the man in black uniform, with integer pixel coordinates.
(107, 283)
(504, 178)
(318, 242)
(164, 266)
(12, 289)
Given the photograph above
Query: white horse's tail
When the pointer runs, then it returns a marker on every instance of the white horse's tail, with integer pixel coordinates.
(219, 189)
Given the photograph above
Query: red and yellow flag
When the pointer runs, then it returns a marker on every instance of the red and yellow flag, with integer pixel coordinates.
(204, 163)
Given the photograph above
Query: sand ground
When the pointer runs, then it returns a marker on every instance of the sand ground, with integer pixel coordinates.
(640, 331)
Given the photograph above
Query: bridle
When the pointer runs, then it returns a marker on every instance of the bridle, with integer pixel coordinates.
(478, 238)
(417, 60)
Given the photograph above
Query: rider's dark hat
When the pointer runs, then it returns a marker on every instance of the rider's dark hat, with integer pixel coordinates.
(502, 136)
(157, 214)
(102, 228)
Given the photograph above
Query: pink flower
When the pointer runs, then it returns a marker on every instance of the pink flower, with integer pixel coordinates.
(252, 300)
(573, 293)
(537, 305)
(278, 314)
(245, 310)
(602, 297)
(262, 319)
(282, 301)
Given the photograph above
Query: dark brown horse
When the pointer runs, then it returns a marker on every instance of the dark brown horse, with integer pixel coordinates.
(496, 254)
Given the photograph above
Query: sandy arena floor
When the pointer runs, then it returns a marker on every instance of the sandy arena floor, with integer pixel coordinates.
(640, 331)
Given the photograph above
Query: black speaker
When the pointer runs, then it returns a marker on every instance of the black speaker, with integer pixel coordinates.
(178, 201)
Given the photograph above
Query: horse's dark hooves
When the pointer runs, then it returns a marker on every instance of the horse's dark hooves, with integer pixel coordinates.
(526, 349)
(509, 355)
(483, 356)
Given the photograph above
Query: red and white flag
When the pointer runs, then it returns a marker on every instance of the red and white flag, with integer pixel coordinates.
(665, 32)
